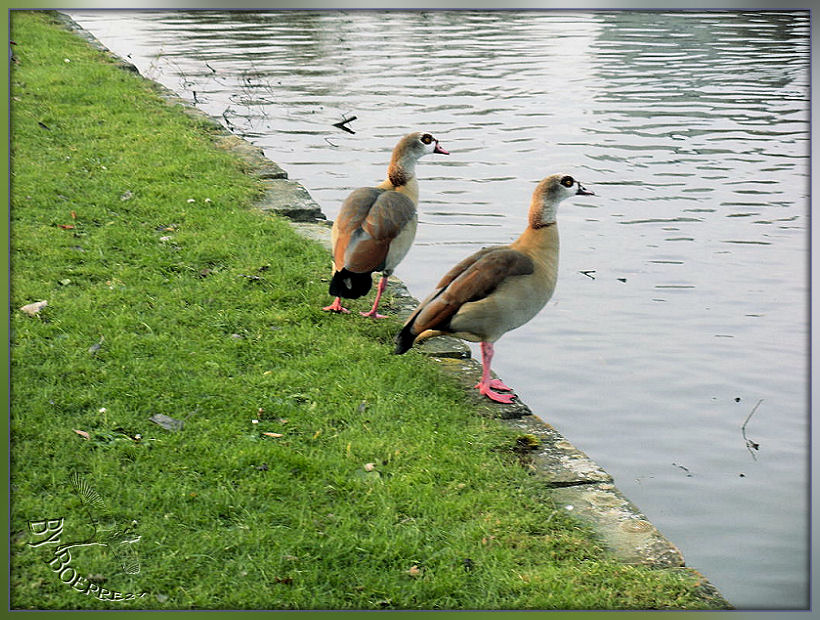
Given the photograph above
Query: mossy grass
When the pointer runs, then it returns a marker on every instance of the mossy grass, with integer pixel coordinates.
(377, 488)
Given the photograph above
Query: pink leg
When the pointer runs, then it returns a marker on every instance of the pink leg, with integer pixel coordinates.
(486, 385)
(336, 306)
(379, 291)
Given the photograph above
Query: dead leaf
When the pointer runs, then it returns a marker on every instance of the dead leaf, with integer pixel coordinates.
(33, 308)
(414, 571)
(166, 422)
(73, 215)
(369, 466)
(82, 434)
(66, 226)
(273, 434)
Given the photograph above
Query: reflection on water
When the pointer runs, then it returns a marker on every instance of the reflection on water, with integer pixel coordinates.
(683, 296)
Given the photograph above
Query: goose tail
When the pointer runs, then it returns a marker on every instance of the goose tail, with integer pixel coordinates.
(349, 284)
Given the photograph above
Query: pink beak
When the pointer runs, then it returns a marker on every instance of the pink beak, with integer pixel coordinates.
(439, 149)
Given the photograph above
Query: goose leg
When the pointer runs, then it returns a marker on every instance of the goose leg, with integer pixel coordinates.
(372, 313)
(336, 306)
(486, 385)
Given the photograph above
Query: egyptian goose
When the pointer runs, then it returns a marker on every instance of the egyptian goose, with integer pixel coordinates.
(376, 225)
(498, 288)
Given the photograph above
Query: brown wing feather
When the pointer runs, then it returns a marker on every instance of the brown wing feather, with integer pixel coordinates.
(472, 279)
(390, 213)
(352, 214)
(448, 277)
(368, 245)
(460, 267)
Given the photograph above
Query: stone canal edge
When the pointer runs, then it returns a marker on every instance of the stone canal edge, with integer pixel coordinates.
(577, 483)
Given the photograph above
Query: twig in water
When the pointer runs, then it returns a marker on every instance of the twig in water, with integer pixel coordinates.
(330, 143)
(588, 273)
(750, 445)
(342, 124)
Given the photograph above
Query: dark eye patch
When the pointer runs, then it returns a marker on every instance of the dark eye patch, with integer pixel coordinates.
(427, 138)
(567, 181)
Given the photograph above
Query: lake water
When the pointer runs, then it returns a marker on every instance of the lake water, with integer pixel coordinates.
(682, 300)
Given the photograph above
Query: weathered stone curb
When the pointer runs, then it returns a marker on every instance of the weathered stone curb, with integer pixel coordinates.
(577, 482)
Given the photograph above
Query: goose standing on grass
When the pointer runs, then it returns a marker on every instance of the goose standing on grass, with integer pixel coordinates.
(498, 288)
(376, 225)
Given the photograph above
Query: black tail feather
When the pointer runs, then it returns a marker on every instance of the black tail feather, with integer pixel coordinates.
(350, 285)
(404, 339)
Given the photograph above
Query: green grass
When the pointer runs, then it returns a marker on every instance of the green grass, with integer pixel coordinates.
(217, 325)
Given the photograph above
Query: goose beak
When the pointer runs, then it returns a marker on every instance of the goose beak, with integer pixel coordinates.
(582, 191)
(438, 149)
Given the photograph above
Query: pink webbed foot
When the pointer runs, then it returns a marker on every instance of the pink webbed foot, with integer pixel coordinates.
(487, 385)
(373, 314)
(495, 384)
(336, 306)
(487, 391)
(498, 384)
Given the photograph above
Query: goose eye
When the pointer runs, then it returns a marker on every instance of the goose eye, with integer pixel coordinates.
(567, 181)
(427, 138)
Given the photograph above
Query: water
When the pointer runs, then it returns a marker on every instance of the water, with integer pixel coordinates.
(692, 129)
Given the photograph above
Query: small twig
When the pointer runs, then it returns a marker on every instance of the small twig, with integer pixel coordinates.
(331, 144)
(588, 273)
(342, 124)
(749, 443)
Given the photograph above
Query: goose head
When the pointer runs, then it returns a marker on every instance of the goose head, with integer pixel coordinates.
(408, 151)
(420, 143)
(548, 193)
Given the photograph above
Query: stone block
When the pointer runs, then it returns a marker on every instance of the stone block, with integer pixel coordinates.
(289, 199)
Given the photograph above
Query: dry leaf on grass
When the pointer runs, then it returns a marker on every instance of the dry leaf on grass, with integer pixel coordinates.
(273, 434)
(82, 434)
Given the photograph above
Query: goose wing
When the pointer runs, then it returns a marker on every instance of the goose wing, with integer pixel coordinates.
(352, 214)
(369, 243)
(474, 278)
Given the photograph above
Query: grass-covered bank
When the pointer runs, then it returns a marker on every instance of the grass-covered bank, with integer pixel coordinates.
(376, 487)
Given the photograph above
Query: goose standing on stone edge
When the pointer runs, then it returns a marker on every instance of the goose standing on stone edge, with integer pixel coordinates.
(498, 288)
(376, 225)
